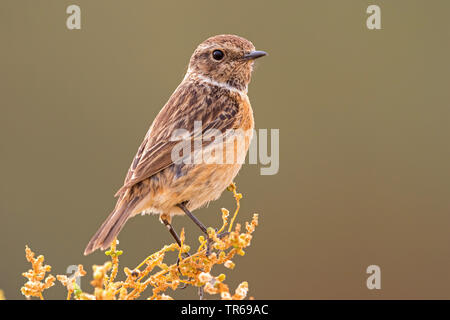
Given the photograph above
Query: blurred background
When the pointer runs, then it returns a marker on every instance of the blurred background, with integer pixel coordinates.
(363, 115)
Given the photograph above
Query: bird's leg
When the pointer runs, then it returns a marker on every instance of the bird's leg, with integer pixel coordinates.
(177, 239)
(182, 206)
(171, 230)
(174, 235)
(202, 227)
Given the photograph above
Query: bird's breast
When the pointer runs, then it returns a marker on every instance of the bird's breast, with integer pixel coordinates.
(247, 113)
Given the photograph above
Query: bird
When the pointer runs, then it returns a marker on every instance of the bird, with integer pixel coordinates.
(209, 106)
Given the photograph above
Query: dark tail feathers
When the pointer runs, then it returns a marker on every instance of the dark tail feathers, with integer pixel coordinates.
(109, 230)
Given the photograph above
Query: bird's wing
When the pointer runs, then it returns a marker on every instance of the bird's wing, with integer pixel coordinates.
(214, 107)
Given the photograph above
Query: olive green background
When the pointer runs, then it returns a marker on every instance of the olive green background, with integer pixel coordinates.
(364, 138)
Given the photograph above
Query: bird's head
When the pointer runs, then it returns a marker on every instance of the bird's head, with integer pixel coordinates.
(226, 59)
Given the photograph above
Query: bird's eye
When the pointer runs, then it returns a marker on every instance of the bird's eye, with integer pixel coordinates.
(218, 54)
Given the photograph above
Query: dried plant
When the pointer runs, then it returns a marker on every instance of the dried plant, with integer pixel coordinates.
(36, 283)
(194, 270)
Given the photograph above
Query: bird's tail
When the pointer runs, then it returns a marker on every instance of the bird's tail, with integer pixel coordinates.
(109, 230)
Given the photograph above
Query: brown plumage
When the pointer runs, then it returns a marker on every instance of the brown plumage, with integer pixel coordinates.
(214, 91)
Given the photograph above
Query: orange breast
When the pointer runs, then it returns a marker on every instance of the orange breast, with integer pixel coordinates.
(246, 114)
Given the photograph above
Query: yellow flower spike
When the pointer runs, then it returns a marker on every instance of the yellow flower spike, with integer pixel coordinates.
(210, 230)
(237, 197)
(225, 212)
(229, 264)
(122, 293)
(127, 271)
(163, 266)
(221, 277)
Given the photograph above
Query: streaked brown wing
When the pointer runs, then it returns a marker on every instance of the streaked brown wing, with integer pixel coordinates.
(215, 107)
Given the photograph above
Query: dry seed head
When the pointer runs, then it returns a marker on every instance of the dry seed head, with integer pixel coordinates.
(196, 270)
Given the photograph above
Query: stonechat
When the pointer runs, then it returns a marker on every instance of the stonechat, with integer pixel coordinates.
(214, 94)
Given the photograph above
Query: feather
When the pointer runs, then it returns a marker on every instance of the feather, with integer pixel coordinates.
(111, 227)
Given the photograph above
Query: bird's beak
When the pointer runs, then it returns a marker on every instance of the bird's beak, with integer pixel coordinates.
(254, 55)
